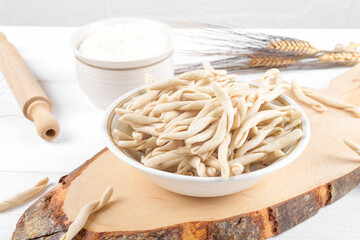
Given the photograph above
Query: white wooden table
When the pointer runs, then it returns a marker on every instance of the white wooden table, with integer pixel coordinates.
(25, 158)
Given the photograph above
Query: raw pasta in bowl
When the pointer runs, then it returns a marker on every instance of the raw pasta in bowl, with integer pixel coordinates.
(197, 132)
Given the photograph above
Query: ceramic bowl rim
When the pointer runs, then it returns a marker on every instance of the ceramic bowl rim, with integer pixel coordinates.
(294, 153)
(141, 62)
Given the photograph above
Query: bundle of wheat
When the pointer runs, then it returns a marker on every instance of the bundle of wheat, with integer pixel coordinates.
(233, 49)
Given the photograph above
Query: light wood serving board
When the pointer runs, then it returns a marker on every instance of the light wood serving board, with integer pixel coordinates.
(139, 209)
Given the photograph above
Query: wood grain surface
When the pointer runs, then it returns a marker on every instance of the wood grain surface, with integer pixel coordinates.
(325, 172)
(45, 219)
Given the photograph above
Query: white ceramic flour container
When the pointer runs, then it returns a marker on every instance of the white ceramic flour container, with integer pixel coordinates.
(103, 81)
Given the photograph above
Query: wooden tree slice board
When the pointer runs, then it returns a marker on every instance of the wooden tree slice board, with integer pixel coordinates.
(139, 209)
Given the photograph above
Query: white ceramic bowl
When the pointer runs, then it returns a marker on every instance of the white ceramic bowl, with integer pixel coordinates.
(104, 81)
(200, 186)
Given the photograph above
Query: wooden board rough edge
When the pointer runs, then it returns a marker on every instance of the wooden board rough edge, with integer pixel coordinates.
(46, 220)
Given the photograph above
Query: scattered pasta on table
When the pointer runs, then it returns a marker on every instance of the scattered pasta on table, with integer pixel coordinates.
(25, 195)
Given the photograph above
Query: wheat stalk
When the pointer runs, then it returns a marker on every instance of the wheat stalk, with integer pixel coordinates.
(295, 46)
(236, 50)
(342, 57)
(271, 62)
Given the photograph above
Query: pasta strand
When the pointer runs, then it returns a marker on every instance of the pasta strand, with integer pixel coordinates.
(24, 196)
(85, 212)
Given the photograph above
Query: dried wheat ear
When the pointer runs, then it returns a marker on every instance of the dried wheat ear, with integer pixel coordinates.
(295, 46)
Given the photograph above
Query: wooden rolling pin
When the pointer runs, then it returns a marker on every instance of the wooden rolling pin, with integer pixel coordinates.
(27, 90)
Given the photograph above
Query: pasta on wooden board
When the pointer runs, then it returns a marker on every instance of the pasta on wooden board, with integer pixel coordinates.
(85, 212)
(203, 123)
(334, 102)
(317, 100)
(302, 97)
(354, 146)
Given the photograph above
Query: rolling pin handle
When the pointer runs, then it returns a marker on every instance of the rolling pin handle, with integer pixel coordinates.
(45, 124)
